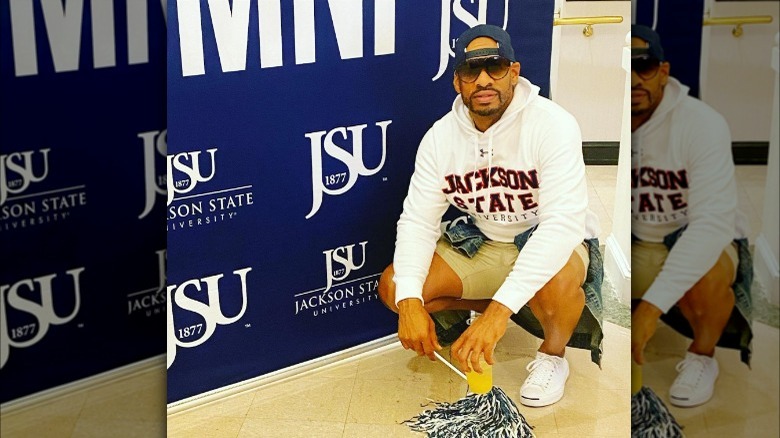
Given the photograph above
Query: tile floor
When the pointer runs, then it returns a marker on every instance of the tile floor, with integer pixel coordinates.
(745, 403)
(371, 396)
(131, 406)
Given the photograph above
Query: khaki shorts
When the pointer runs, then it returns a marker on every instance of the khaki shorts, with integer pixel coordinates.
(484, 273)
(647, 259)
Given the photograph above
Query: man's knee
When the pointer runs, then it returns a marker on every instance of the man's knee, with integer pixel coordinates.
(713, 290)
(563, 290)
(387, 288)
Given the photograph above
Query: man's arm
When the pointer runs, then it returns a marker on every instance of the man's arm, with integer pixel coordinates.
(418, 231)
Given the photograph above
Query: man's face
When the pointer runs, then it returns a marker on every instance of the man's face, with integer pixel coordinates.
(648, 78)
(487, 96)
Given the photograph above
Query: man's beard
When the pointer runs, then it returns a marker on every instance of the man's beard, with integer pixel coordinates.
(486, 111)
(651, 105)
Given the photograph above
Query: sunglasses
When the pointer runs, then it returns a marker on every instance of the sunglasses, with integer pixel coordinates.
(496, 67)
(646, 67)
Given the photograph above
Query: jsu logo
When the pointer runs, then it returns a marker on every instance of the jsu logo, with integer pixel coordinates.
(149, 301)
(210, 311)
(454, 9)
(155, 146)
(42, 313)
(18, 171)
(340, 262)
(339, 183)
(188, 163)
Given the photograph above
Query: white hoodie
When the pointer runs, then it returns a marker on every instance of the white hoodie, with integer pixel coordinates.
(534, 155)
(682, 173)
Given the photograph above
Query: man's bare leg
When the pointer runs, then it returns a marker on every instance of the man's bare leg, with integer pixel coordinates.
(708, 305)
(558, 306)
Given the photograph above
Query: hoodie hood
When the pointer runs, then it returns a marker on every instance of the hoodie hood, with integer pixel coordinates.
(524, 93)
(674, 93)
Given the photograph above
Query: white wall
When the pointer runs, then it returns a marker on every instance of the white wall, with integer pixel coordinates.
(586, 77)
(736, 76)
(589, 77)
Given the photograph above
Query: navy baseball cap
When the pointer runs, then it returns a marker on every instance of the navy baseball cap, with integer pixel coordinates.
(654, 48)
(499, 35)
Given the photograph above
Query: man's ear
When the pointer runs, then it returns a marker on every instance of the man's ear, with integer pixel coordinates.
(456, 83)
(664, 69)
(514, 72)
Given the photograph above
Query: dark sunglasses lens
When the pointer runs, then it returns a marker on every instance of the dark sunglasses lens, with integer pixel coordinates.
(496, 68)
(644, 67)
(469, 71)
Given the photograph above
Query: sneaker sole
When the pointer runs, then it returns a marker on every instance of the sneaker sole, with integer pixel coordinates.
(689, 402)
(541, 402)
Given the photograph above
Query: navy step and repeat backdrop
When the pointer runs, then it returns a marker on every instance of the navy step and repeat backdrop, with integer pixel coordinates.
(82, 184)
(679, 24)
(293, 127)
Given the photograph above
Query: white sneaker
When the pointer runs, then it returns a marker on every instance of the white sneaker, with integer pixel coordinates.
(696, 381)
(544, 385)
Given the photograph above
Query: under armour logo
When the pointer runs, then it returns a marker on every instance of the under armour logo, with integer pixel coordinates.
(483, 152)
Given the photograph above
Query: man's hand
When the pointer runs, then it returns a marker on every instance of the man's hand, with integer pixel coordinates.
(481, 337)
(415, 328)
(644, 320)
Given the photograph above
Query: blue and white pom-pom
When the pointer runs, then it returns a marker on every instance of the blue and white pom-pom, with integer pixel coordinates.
(650, 418)
(490, 415)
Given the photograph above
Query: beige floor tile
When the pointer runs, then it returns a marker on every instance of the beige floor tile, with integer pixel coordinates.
(607, 197)
(310, 398)
(118, 428)
(751, 212)
(595, 205)
(750, 174)
(589, 411)
(189, 426)
(355, 430)
(37, 426)
(277, 428)
(403, 366)
(133, 405)
(132, 399)
(751, 184)
(393, 402)
(602, 175)
(55, 418)
(759, 426)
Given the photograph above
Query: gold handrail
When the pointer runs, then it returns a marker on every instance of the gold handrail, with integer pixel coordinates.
(737, 22)
(588, 22)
